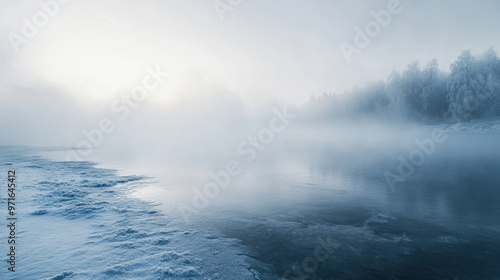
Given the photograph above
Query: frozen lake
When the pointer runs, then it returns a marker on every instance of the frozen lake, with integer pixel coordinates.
(300, 210)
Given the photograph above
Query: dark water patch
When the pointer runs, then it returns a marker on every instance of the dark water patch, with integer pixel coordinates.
(39, 212)
(127, 179)
(62, 276)
(98, 185)
(108, 183)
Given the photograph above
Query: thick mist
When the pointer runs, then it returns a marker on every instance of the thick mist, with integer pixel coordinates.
(234, 139)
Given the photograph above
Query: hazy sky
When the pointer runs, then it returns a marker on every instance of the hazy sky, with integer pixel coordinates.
(90, 52)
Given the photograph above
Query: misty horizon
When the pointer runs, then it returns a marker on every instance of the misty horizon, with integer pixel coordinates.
(235, 139)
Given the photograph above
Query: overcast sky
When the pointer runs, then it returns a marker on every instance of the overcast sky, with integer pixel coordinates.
(89, 52)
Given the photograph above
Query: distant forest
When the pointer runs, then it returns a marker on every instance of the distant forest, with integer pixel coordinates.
(469, 91)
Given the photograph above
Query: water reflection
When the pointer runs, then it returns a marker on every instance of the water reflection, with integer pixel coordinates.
(441, 222)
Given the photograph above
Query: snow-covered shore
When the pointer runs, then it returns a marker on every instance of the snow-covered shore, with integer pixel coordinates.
(77, 222)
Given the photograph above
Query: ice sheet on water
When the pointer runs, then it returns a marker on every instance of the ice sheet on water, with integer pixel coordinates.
(79, 224)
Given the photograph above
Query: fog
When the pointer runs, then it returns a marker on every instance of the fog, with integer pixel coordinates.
(261, 53)
(241, 137)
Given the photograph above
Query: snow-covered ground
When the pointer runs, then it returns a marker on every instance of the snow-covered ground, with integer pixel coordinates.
(482, 126)
(76, 221)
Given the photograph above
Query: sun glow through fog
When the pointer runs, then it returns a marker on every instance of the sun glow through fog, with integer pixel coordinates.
(92, 61)
(103, 58)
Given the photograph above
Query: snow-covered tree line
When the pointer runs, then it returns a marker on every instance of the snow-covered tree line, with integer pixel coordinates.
(471, 90)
